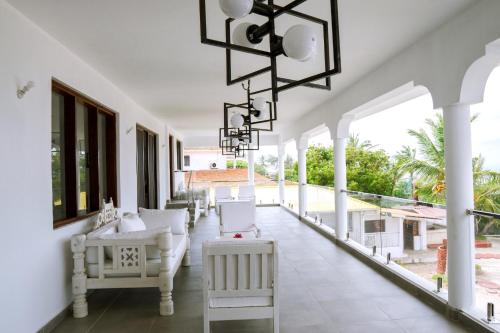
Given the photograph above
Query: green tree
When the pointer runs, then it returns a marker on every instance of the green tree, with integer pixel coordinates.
(320, 165)
(240, 164)
(367, 170)
(292, 171)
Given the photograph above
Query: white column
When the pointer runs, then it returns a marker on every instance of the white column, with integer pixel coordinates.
(281, 172)
(251, 168)
(301, 150)
(459, 198)
(340, 184)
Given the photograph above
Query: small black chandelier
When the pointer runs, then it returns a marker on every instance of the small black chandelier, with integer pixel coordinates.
(238, 140)
(254, 114)
(299, 42)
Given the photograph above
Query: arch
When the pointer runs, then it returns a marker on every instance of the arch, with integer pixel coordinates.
(476, 76)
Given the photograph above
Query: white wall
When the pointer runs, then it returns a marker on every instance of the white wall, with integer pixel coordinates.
(200, 160)
(35, 279)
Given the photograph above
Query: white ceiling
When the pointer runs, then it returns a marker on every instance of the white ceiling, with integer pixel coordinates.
(151, 49)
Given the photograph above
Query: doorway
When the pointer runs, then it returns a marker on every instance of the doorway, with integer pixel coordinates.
(147, 157)
(410, 229)
(171, 164)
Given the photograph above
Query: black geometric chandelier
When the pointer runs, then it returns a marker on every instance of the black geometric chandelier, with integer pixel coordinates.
(254, 114)
(299, 42)
(238, 140)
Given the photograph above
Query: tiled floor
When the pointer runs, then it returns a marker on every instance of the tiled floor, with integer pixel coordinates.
(322, 289)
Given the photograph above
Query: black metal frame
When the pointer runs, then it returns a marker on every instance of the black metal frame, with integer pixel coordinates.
(246, 142)
(250, 111)
(272, 13)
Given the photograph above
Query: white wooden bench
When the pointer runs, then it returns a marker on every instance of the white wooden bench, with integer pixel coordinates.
(141, 259)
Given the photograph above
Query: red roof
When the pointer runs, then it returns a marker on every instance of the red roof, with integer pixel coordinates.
(226, 176)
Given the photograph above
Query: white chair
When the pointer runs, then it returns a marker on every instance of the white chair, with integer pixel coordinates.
(240, 281)
(246, 192)
(222, 194)
(238, 216)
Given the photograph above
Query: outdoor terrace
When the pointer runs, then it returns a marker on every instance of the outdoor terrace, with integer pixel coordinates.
(322, 289)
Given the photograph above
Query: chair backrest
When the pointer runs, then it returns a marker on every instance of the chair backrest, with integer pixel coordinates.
(246, 191)
(237, 215)
(223, 192)
(240, 268)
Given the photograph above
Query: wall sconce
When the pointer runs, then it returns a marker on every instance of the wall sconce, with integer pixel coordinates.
(21, 92)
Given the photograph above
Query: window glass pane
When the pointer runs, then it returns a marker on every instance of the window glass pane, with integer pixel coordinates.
(82, 154)
(57, 152)
(101, 136)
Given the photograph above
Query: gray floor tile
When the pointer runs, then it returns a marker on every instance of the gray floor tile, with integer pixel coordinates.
(322, 289)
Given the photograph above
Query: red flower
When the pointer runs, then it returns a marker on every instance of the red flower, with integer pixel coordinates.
(238, 235)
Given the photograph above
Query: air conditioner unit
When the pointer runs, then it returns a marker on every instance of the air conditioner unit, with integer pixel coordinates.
(213, 165)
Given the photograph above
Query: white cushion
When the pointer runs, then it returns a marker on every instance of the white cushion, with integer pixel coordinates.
(152, 264)
(152, 252)
(156, 218)
(131, 222)
(237, 216)
(240, 302)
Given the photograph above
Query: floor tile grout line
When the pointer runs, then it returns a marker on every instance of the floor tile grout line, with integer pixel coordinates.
(105, 310)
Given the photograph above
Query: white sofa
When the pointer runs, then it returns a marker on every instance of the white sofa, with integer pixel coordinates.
(106, 258)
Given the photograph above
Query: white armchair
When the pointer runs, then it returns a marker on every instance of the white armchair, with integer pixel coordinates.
(222, 194)
(240, 281)
(238, 216)
(246, 192)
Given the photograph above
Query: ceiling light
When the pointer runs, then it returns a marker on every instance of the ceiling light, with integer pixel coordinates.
(300, 41)
(254, 114)
(236, 8)
(237, 120)
(240, 36)
(237, 141)
(260, 104)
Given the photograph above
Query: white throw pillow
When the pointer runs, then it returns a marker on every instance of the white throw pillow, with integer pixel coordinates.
(131, 222)
(175, 218)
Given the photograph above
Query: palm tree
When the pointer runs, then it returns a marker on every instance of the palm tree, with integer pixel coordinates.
(399, 169)
(486, 194)
(430, 170)
(355, 142)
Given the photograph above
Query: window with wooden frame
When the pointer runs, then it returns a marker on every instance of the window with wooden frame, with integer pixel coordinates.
(83, 155)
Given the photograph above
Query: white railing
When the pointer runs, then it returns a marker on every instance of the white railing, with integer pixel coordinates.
(381, 240)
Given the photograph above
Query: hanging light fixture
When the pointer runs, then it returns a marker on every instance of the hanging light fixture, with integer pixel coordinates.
(238, 140)
(299, 41)
(254, 114)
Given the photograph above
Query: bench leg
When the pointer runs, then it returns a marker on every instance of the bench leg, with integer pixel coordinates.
(166, 302)
(79, 280)
(80, 306)
(186, 261)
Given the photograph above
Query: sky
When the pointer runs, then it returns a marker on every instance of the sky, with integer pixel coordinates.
(388, 129)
